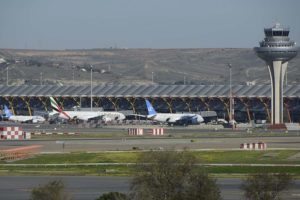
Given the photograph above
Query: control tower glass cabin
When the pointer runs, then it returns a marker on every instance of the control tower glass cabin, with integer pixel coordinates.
(276, 50)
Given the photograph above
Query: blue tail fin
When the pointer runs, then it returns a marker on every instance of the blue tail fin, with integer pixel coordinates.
(151, 110)
(7, 112)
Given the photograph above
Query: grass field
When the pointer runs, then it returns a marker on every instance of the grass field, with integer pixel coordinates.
(241, 157)
(105, 157)
(111, 170)
(203, 157)
(124, 170)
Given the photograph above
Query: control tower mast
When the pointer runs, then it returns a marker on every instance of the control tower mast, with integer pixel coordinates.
(276, 50)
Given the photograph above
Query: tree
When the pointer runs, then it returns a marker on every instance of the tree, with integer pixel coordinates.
(171, 175)
(112, 196)
(202, 187)
(266, 186)
(53, 190)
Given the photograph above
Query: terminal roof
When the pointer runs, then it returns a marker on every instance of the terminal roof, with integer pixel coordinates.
(145, 91)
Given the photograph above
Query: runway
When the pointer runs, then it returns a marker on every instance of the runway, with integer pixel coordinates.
(91, 187)
(126, 143)
(115, 138)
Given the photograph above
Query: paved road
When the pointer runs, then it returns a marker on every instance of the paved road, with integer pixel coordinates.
(225, 140)
(152, 143)
(91, 187)
(18, 187)
(79, 128)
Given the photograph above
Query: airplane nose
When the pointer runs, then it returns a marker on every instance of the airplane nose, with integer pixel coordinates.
(200, 119)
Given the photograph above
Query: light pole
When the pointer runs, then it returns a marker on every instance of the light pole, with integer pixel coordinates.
(41, 78)
(7, 76)
(73, 75)
(230, 97)
(152, 77)
(286, 81)
(91, 87)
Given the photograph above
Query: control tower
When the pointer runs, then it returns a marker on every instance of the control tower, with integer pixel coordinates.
(276, 50)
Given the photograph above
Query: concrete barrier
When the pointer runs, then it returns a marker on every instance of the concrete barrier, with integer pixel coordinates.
(135, 131)
(11, 133)
(254, 146)
(157, 131)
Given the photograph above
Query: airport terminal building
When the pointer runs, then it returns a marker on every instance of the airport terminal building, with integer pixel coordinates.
(250, 102)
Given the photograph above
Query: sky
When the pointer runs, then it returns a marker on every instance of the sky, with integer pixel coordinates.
(86, 24)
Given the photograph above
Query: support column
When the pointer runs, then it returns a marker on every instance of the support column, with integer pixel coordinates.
(288, 112)
(76, 101)
(187, 101)
(44, 100)
(246, 104)
(277, 71)
(131, 101)
(266, 105)
(283, 71)
(226, 104)
(114, 101)
(206, 103)
(169, 103)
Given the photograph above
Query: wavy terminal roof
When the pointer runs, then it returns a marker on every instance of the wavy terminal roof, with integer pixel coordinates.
(145, 91)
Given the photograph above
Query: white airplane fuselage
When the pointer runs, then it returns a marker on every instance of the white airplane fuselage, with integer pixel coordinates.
(86, 115)
(174, 117)
(24, 118)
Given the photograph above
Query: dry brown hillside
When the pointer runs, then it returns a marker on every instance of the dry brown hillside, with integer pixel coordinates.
(135, 66)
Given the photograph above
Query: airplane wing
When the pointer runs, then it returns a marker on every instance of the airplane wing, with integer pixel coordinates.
(174, 119)
(193, 119)
(138, 115)
(88, 117)
(20, 120)
(27, 120)
(84, 118)
(24, 119)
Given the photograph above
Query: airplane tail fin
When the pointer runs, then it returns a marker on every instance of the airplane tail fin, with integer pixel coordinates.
(151, 110)
(7, 112)
(56, 108)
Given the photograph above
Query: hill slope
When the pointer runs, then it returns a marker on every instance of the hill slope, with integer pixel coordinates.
(135, 66)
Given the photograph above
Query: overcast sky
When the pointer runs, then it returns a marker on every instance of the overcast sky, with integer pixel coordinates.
(78, 24)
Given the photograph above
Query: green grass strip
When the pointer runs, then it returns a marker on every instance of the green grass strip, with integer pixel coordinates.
(206, 157)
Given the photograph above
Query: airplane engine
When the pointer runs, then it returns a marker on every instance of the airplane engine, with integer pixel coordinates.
(40, 119)
(120, 117)
(197, 119)
(107, 119)
(194, 120)
(200, 119)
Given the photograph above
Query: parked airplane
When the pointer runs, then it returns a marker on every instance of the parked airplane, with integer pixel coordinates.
(22, 118)
(173, 118)
(84, 115)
